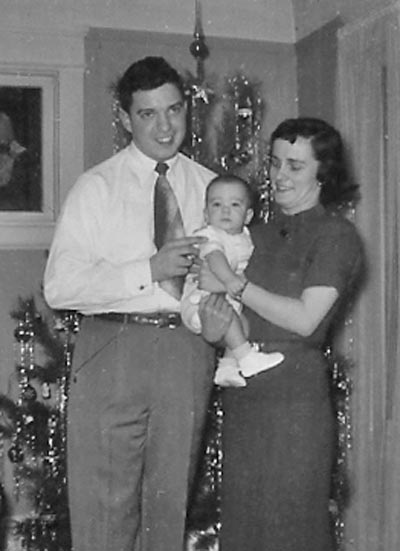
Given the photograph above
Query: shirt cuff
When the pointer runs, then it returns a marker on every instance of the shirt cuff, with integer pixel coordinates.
(137, 277)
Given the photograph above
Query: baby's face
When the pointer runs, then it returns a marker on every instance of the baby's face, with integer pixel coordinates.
(228, 207)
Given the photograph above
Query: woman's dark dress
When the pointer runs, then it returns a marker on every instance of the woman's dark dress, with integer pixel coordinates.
(278, 432)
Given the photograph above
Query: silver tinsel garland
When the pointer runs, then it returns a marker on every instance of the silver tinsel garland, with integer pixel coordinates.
(34, 507)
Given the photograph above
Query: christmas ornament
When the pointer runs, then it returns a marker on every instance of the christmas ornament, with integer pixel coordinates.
(46, 391)
(28, 393)
(23, 332)
(15, 454)
(198, 48)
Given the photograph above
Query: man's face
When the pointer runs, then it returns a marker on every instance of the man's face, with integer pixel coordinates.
(157, 121)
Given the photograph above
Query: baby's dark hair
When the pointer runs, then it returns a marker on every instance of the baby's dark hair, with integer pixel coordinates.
(232, 178)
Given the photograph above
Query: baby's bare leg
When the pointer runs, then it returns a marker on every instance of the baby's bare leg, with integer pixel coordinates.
(237, 332)
(227, 373)
(250, 361)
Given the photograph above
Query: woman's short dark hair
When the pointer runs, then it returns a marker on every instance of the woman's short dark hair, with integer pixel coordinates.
(327, 146)
(146, 74)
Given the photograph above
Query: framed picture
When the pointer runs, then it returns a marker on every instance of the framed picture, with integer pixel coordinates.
(29, 138)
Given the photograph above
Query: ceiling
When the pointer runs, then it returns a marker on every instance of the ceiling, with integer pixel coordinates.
(266, 20)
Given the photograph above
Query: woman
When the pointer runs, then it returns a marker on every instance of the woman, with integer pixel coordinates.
(278, 431)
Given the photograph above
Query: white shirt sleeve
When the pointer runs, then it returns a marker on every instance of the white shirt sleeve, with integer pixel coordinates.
(77, 276)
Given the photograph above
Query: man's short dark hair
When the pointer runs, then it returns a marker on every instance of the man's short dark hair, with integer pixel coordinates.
(146, 74)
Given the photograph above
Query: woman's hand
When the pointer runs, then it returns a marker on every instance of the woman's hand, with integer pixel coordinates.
(208, 281)
(216, 316)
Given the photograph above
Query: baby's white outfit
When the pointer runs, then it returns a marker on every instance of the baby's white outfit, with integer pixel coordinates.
(237, 248)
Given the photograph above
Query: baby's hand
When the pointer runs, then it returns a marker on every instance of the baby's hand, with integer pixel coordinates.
(233, 286)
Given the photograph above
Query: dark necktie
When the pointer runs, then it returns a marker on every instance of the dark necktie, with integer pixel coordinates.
(168, 223)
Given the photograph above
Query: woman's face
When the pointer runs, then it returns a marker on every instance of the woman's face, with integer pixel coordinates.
(293, 173)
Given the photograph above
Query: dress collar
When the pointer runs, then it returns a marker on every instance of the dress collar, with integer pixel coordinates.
(313, 212)
(291, 222)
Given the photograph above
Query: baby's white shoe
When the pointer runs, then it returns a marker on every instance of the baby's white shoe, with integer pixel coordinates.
(227, 374)
(256, 362)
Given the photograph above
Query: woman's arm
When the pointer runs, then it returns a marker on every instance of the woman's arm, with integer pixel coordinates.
(301, 316)
(334, 263)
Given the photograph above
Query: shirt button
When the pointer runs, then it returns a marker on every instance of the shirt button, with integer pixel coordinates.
(141, 287)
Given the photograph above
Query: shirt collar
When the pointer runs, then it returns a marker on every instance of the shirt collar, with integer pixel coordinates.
(146, 161)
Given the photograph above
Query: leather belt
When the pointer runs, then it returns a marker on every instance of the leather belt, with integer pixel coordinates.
(285, 346)
(158, 319)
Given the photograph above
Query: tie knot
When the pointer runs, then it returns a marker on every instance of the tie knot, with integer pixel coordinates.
(161, 168)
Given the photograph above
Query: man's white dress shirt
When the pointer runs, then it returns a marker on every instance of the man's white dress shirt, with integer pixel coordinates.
(99, 260)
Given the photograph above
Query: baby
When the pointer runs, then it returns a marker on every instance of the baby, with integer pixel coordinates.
(227, 212)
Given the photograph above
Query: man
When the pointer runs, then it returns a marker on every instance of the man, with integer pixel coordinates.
(140, 380)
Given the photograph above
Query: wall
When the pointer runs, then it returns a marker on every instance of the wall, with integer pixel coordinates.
(317, 72)
(255, 19)
(21, 269)
(20, 277)
(61, 52)
(109, 52)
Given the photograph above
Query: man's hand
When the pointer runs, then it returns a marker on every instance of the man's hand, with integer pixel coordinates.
(175, 258)
(216, 315)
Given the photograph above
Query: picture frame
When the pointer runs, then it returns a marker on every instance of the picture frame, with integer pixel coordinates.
(29, 167)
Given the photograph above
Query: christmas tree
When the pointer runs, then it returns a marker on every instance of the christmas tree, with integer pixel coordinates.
(34, 505)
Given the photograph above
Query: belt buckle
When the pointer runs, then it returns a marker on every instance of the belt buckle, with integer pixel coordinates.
(169, 320)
